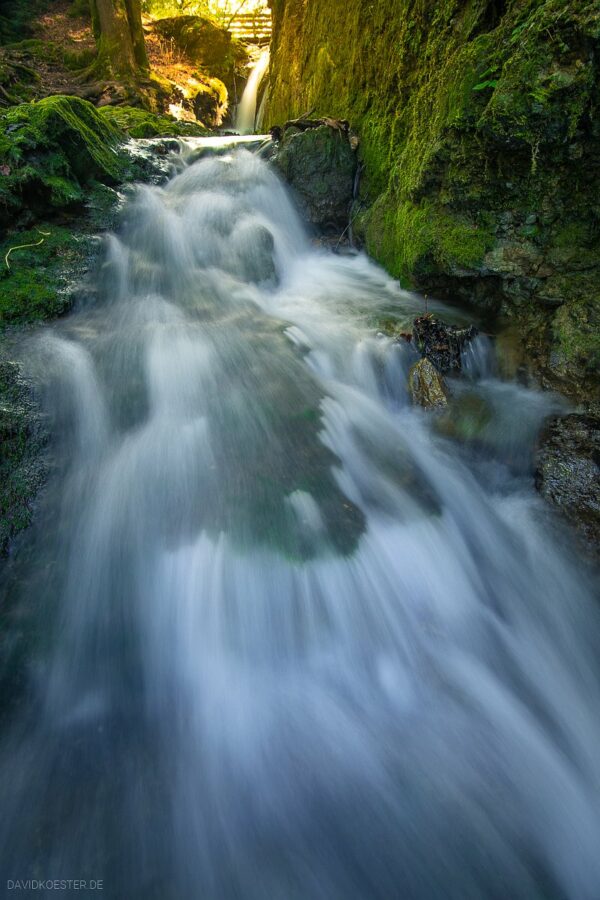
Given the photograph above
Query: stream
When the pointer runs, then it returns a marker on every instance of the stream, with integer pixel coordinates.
(293, 640)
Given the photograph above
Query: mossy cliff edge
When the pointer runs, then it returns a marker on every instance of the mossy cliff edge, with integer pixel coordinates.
(480, 136)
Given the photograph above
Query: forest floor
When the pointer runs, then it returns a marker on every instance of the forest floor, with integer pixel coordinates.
(59, 45)
(62, 45)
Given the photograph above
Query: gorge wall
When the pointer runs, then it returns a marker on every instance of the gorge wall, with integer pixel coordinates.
(479, 125)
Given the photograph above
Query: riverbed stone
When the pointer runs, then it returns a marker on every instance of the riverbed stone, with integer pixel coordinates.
(466, 418)
(426, 385)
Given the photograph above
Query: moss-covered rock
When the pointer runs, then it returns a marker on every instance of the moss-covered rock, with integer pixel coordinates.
(33, 284)
(319, 165)
(480, 142)
(139, 123)
(466, 419)
(50, 150)
(206, 44)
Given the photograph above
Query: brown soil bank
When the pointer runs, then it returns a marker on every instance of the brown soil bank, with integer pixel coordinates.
(480, 135)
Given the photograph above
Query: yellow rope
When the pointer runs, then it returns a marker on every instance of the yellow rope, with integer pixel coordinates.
(23, 246)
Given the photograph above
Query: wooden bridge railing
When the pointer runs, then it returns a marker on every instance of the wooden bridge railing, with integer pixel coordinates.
(253, 27)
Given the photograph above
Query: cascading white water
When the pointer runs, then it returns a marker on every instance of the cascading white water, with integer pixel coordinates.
(246, 112)
(294, 642)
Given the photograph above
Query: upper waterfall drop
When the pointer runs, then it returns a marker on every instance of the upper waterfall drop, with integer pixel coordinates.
(246, 112)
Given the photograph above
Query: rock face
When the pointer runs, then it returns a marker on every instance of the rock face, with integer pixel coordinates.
(481, 151)
(568, 472)
(426, 385)
(320, 165)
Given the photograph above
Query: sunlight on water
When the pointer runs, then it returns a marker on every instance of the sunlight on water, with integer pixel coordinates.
(246, 113)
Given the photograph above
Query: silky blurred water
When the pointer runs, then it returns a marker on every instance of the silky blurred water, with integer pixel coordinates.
(295, 641)
(246, 111)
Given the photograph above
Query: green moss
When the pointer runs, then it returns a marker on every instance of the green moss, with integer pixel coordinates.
(419, 239)
(77, 60)
(33, 288)
(139, 123)
(576, 333)
(573, 234)
(51, 149)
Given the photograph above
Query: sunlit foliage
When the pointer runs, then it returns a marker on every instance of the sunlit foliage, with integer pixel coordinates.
(222, 10)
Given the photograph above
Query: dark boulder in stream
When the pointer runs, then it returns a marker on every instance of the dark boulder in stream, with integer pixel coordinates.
(320, 165)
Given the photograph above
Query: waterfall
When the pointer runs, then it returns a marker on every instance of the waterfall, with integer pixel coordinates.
(246, 112)
(291, 639)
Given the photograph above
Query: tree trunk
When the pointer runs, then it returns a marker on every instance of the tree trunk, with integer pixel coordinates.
(134, 15)
(118, 31)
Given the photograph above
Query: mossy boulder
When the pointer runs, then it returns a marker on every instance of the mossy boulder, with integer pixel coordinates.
(319, 164)
(52, 149)
(139, 123)
(466, 419)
